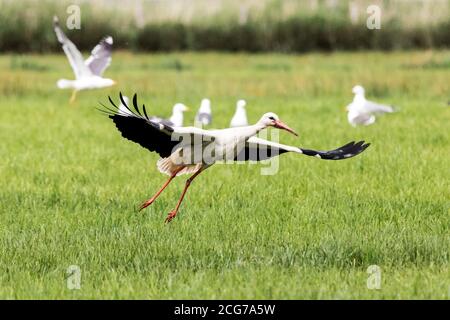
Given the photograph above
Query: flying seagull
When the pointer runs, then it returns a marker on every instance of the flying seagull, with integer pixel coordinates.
(240, 116)
(362, 111)
(186, 150)
(203, 116)
(88, 74)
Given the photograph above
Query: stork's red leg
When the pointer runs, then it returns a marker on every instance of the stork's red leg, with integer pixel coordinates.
(152, 199)
(174, 212)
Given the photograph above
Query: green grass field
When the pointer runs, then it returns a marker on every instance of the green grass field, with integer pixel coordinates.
(70, 185)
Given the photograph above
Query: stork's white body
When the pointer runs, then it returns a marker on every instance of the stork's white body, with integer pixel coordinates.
(211, 146)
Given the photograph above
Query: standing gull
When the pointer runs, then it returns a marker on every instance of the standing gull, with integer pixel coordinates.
(203, 116)
(240, 116)
(192, 150)
(88, 74)
(176, 120)
(362, 111)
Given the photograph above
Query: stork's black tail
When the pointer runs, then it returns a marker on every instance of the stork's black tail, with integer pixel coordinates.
(349, 150)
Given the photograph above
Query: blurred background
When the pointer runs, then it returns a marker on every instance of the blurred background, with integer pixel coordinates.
(230, 25)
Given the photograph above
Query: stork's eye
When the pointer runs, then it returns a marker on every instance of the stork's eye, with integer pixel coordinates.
(271, 118)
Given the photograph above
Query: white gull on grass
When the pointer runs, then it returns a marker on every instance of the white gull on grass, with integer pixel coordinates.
(362, 111)
(240, 116)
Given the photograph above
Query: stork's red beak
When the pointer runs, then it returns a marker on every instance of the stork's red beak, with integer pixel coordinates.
(280, 125)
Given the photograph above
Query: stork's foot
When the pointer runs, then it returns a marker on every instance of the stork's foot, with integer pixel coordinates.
(170, 216)
(146, 204)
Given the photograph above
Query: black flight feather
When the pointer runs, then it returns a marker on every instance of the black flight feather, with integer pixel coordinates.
(138, 128)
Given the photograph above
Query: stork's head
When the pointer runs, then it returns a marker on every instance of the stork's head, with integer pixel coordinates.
(179, 108)
(241, 104)
(358, 90)
(270, 119)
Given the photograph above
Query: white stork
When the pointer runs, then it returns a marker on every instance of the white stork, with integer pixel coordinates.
(240, 116)
(192, 150)
(88, 74)
(362, 111)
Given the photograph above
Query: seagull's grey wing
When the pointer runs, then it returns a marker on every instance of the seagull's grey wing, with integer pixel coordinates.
(257, 149)
(204, 118)
(363, 118)
(100, 57)
(73, 54)
(373, 107)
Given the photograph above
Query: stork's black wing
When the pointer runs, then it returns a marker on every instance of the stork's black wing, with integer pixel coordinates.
(347, 151)
(136, 126)
(257, 149)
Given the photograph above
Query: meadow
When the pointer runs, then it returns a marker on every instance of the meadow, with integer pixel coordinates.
(70, 185)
